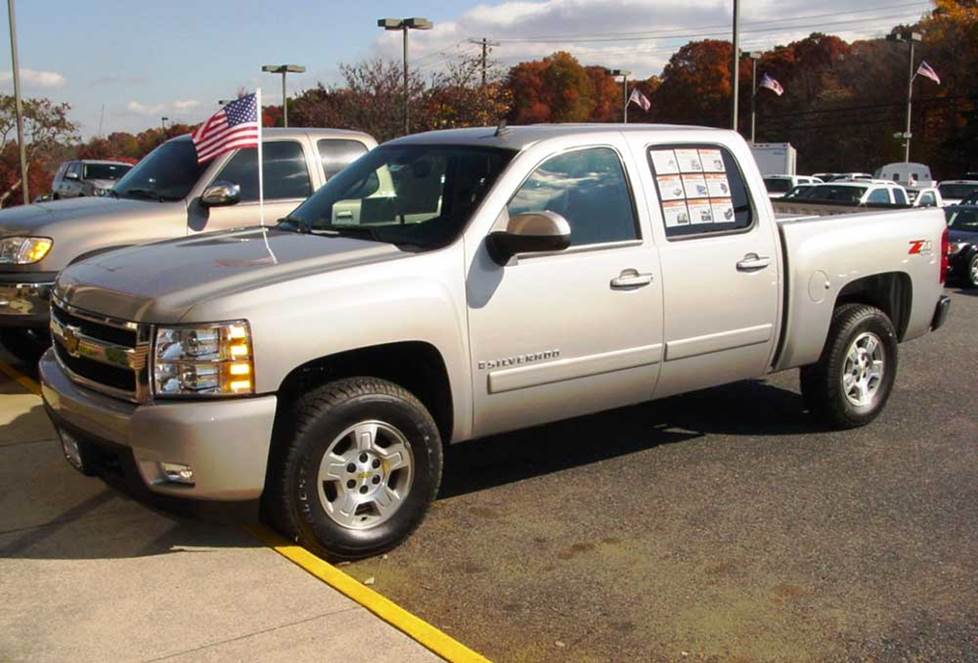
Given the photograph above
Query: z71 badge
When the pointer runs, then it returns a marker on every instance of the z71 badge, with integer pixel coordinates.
(923, 247)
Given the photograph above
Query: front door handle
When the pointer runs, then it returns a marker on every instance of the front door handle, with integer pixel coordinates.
(752, 262)
(630, 278)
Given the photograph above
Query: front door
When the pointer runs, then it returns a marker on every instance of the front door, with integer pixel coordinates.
(559, 334)
(720, 269)
(287, 183)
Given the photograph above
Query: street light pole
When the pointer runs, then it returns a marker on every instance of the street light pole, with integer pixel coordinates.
(283, 69)
(910, 37)
(624, 89)
(735, 74)
(754, 56)
(163, 124)
(17, 102)
(404, 25)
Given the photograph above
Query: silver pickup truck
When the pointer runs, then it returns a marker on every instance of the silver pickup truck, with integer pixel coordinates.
(166, 195)
(454, 284)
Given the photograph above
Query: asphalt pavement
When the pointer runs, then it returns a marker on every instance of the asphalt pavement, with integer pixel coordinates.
(721, 525)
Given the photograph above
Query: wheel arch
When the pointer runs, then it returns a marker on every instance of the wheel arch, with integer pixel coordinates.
(891, 292)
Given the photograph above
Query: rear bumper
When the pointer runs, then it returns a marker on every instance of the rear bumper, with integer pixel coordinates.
(225, 443)
(24, 299)
(940, 312)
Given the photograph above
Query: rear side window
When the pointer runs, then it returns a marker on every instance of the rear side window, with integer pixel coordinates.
(338, 154)
(588, 188)
(878, 196)
(928, 200)
(284, 171)
(899, 197)
(701, 190)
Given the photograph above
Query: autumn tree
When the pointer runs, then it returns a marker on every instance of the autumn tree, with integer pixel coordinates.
(554, 89)
(696, 86)
(46, 128)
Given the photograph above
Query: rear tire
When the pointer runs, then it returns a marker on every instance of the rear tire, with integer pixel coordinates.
(850, 383)
(971, 271)
(358, 470)
(26, 344)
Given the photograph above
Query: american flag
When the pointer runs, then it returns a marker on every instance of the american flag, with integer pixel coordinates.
(771, 84)
(926, 70)
(640, 100)
(234, 126)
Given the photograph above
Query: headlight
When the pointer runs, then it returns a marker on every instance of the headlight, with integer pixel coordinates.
(203, 360)
(23, 250)
(101, 192)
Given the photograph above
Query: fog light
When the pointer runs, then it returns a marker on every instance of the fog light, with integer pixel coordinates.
(72, 451)
(178, 473)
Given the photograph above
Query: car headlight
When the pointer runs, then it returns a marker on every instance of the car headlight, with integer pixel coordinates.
(203, 360)
(24, 250)
(101, 192)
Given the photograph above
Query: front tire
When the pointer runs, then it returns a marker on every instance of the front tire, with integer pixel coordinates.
(357, 472)
(850, 383)
(971, 271)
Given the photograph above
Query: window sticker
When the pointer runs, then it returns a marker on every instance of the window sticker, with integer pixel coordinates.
(723, 211)
(689, 161)
(695, 186)
(712, 161)
(665, 162)
(717, 185)
(675, 213)
(671, 187)
(700, 211)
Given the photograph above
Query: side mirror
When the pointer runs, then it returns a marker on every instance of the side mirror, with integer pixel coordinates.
(71, 175)
(533, 232)
(221, 194)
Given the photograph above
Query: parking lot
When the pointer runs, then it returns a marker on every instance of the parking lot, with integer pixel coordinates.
(720, 525)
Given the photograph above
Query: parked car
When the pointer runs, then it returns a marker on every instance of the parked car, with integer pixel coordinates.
(957, 191)
(166, 195)
(87, 177)
(928, 196)
(515, 276)
(779, 185)
(797, 191)
(962, 221)
(843, 177)
(842, 197)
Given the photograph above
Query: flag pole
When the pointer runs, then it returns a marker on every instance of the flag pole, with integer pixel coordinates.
(261, 183)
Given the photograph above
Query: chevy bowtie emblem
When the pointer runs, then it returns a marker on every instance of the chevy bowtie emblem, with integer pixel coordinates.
(69, 339)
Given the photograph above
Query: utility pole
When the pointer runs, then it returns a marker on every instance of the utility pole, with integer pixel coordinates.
(910, 37)
(754, 57)
(735, 74)
(485, 44)
(283, 69)
(19, 106)
(404, 25)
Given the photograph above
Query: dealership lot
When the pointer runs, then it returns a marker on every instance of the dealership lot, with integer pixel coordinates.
(721, 524)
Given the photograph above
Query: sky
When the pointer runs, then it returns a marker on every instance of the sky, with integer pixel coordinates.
(141, 60)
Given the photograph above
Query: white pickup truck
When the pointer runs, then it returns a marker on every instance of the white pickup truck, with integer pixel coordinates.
(502, 279)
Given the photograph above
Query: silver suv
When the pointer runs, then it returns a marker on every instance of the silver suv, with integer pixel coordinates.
(87, 178)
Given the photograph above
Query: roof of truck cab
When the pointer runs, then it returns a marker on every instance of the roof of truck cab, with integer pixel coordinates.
(298, 132)
(521, 137)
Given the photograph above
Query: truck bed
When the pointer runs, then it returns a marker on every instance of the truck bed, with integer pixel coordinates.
(792, 209)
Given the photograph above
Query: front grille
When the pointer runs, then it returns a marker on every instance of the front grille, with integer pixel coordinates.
(101, 353)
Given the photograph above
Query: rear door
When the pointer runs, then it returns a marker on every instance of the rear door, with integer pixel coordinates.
(720, 268)
(287, 182)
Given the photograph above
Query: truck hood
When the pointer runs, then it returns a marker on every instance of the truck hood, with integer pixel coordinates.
(43, 218)
(161, 282)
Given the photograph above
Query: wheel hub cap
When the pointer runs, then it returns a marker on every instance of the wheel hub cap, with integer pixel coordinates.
(365, 474)
(862, 373)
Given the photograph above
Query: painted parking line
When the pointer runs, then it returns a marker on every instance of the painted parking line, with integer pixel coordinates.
(24, 381)
(404, 621)
(411, 625)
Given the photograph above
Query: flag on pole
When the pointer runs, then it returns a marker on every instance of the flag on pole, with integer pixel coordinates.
(926, 70)
(640, 100)
(235, 125)
(771, 84)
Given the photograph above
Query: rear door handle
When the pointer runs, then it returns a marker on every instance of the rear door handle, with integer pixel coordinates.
(752, 262)
(630, 278)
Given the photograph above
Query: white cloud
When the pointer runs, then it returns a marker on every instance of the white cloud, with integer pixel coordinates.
(639, 35)
(178, 106)
(36, 79)
(145, 109)
(185, 104)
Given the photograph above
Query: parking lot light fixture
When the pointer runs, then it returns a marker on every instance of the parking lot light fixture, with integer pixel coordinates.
(624, 84)
(911, 38)
(405, 24)
(284, 69)
(754, 57)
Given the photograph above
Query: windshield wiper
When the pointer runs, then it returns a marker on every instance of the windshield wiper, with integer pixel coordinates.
(293, 224)
(360, 232)
(143, 194)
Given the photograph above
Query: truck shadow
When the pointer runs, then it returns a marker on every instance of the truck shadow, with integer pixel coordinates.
(750, 408)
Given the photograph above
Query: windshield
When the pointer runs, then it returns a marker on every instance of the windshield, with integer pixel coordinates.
(957, 191)
(166, 173)
(834, 192)
(420, 195)
(798, 191)
(105, 171)
(962, 218)
(777, 184)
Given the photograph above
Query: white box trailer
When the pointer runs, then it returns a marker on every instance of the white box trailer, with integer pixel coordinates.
(775, 158)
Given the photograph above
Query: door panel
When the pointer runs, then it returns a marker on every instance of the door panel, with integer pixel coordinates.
(562, 334)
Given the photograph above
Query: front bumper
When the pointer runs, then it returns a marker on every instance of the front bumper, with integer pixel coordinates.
(226, 442)
(24, 299)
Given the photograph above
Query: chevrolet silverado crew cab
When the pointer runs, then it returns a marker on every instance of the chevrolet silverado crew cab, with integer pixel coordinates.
(455, 284)
(166, 195)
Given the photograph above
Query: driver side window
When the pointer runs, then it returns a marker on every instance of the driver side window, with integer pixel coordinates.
(284, 171)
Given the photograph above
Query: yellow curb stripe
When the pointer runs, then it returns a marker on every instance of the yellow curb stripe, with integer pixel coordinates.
(27, 383)
(411, 625)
